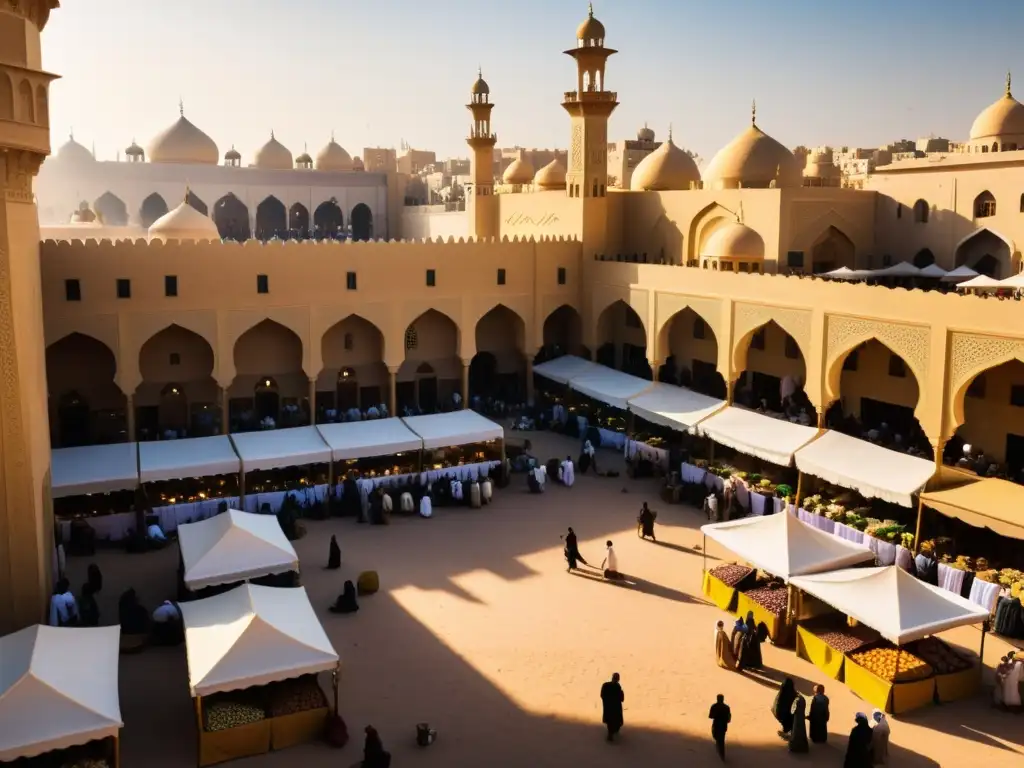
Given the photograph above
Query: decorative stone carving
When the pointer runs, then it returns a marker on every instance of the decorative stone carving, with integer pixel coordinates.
(14, 465)
(577, 147)
(670, 304)
(17, 168)
(911, 342)
(971, 354)
(795, 322)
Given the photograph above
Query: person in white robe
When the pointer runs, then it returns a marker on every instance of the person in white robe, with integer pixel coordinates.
(568, 472)
(880, 738)
(426, 506)
(540, 474)
(1011, 683)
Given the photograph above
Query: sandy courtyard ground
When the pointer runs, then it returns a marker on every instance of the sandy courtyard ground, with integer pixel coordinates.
(479, 630)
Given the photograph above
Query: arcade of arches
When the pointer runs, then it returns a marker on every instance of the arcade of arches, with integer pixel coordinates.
(691, 350)
(992, 432)
(773, 375)
(622, 340)
(986, 253)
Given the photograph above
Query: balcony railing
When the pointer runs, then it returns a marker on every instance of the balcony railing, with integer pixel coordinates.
(591, 96)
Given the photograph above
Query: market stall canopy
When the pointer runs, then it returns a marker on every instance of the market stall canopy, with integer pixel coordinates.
(363, 439)
(609, 386)
(253, 635)
(902, 269)
(94, 469)
(900, 607)
(871, 470)
(234, 546)
(934, 271)
(191, 457)
(564, 369)
(980, 283)
(983, 502)
(845, 273)
(58, 688)
(441, 430)
(1014, 281)
(785, 546)
(756, 434)
(674, 407)
(959, 274)
(280, 448)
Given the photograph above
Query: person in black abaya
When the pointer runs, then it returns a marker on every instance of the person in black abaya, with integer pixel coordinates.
(94, 578)
(612, 697)
(798, 734)
(374, 755)
(572, 551)
(346, 602)
(646, 520)
(334, 554)
(750, 650)
(351, 504)
(88, 609)
(858, 748)
(133, 618)
(819, 715)
(782, 708)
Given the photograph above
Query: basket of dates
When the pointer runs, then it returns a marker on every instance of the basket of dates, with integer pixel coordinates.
(773, 597)
(732, 574)
(847, 640)
(222, 714)
(943, 659)
(292, 696)
(892, 664)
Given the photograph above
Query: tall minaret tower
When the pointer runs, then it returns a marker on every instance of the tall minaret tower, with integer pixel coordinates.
(590, 106)
(481, 204)
(26, 511)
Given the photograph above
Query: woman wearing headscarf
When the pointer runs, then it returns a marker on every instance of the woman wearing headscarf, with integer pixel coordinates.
(346, 602)
(880, 738)
(723, 648)
(646, 520)
(334, 554)
(818, 716)
(94, 578)
(736, 639)
(858, 748)
(782, 708)
(750, 655)
(798, 734)
(374, 755)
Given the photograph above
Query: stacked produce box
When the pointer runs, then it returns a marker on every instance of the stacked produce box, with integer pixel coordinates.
(290, 697)
(892, 664)
(731, 574)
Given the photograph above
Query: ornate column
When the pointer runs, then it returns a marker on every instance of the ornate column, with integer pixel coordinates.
(312, 402)
(224, 411)
(393, 390)
(26, 509)
(465, 383)
(129, 406)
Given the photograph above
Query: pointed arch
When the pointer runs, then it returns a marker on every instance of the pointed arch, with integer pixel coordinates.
(6, 97)
(987, 251)
(702, 225)
(498, 367)
(362, 222)
(93, 411)
(921, 211)
(850, 347)
(298, 219)
(271, 219)
(689, 349)
(832, 250)
(177, 391)
(111, 210)
(26, 101)
(958, 389)
(984, 205)
(763, 358)
(354, 374)
(924, 258)
(231, 216)
(561, 334)
(152, 208)
(328, 220)
(42, 106)
(268, 348)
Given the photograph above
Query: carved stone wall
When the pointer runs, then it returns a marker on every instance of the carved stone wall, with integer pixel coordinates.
(969, 355)
(750, 317)
(671, 304)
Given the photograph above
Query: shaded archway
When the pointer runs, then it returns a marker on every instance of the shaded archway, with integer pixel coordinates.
(773, 374)
(328, 220)
(178, 393)
(354, 374)
(691, 350)
(271, 351)
(990, 437)
(985, 252)
(921, 212)
(432, 371)
(152, 208)
(298, 220)
(878, 394)
(832, 250)
(93, 411)
(622, 340)
(498, 369)
(271, 219)
(984, 205)
(924, 258)
(562, 334)
(111, 210)
(231, 216)
(196, 202)
(362, 222)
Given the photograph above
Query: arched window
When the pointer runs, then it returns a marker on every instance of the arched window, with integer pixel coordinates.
(899, 210)
(984, 149)
(984, 205)
(921, 212)
(348, 342)
(995, 146)
(411, 340)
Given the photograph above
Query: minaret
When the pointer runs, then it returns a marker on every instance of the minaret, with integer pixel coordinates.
(481, 204)
(590, 106)
(26, 511)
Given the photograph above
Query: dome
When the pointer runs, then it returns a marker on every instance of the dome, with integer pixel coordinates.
(134, 150)
(1004, 118)
(333, 157)
(734, 240)
(357, 164)
(519, 172)
(480, 87)
(753, 159)
(666, 168)
(645, 134)
(551, 176)
(184, 223)
(274, 156)
(183, 143)
(233, 155)
(73, 152)
(591, 28)
(84, 215)
(304, 159)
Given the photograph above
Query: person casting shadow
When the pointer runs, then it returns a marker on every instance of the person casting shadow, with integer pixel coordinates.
(346, 602)
(334, 555)
(612, 697)
(572, 551)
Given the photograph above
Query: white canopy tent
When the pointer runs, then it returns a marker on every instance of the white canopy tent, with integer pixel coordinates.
(674, 407)
(845, 273)
(564, 369)
(58, 688)
(280, 448)
(253, 635)
(441, 430)
(980, 283)
(871, 470)
(933, 271)
(959, 274)
(785, 546)
(94, 469)
(900, 607)
(234, 546)
(902, 269)
(610, 386)
(756, 434)
(1015, 281)
(191, 457)
(363, 439)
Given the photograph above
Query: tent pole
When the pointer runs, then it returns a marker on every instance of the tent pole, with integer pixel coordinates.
(981, 651)
(330, 484)
(117, 750)
(917, 529)
(334, 680)
(199, 729)
(241, 489)
(704, 552)
(799, 489)
(711, 452)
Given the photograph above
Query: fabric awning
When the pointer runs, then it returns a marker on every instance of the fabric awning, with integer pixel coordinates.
(674, 407)
(58, 688)
(785, 546)
(253, 635)
(757, 435)
(94, 469)
(234, 546)
(980, 283)
(933, 271)
(280, 448)
(900, 607)
(902, 269)
(871, 470)
(191, 457)
(958, 274)
(363, 439)
(564, 369)
(983, 502)
(609, 386)
(441, 430)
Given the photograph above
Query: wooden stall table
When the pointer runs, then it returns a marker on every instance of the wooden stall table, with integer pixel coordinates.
(894, 698)
(812, 648)
(719, 593)
(231, 743)
(298, 728)
(958, 685)
(779, 629)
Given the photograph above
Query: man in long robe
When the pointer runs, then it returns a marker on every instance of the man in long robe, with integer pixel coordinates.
(723, 648)
(858, 748)
(818, 717)
(612, 697)
(568, 472)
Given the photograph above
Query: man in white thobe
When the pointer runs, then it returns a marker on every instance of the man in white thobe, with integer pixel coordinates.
(568, 472)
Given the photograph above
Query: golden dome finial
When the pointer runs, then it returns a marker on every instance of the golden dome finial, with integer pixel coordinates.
(272, 134)
(739, 213)
(669, 130)
(590, 10)
(1008, 79)
(753, 112)
(188, 193)
(479, 71)
(181, 107)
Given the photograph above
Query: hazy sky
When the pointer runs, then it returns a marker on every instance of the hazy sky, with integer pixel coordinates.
(822, 71)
